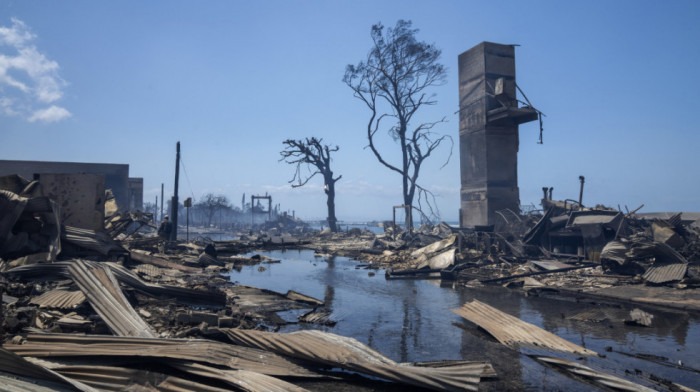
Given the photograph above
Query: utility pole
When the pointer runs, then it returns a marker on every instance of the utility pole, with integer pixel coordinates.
(173, 235)
(162, 201)
(188, 204)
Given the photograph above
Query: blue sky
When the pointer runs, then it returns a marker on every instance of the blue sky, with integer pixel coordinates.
(122, 82)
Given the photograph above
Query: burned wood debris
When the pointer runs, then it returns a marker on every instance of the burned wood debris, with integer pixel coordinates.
(119, 308)
(110, 309)
(573, 250)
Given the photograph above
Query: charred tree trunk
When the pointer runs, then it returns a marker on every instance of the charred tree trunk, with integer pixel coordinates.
(329, 188)
(311, 153)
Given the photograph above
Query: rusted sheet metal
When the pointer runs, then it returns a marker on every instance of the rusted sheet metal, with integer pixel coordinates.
(145, 257)
(149, 270)
(23, 384)
(248, 298)
(183, 295)
(320, 316)
(435, 247)
(160, 275)
(175, 384)
(14, 364)
(102, 291)
(112, 377)
(662, 273)
(204, 351)
(663, 232)
(59, 298)
(124, 276)
(347, 353)
(513, 332)
(440, 260)
(241, 379)
(599, 379)
(599, 217)
(90, 239)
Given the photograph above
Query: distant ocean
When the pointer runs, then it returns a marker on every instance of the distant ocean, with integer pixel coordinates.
(370, 226)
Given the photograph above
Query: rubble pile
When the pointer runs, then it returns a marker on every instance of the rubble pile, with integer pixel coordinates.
(78, 301)
(567, 248)
(80, 306)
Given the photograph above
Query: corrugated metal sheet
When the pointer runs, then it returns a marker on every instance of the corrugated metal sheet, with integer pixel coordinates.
(122, 374)
(665, 273)
(184, 295)
(204, 351)
(59, 298)
(242, 379)
(15, 384)
(102, 291)
(174, 384)
(593, 376)
(513, 332)
(320, 316)
(435, 247)
(149, 270)
(90, 239)
(144, 257)
(248, 298)
(11, 363)
(347, 353)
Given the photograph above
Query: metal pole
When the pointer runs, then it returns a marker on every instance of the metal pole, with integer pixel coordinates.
(174, 200)
(580, 195)
(162, 201)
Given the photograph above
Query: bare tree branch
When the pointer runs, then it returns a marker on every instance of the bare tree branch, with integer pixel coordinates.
(396, 74)
(314, 157)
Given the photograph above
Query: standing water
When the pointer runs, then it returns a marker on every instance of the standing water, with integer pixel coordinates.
(411, 321)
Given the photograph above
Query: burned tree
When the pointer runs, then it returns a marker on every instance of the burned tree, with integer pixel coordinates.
(393, 83)
(313, 157)
(211, 204)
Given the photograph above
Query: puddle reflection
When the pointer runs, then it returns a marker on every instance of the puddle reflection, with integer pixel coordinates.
(411, 321)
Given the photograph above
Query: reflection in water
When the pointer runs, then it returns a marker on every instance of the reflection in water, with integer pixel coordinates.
(411, 321)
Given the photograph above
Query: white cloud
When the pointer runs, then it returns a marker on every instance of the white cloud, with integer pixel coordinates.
(6, 107)
(17, 35)
(49, 115)
(27, 77)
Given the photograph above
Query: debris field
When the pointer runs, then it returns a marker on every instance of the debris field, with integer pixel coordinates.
(120, 309)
